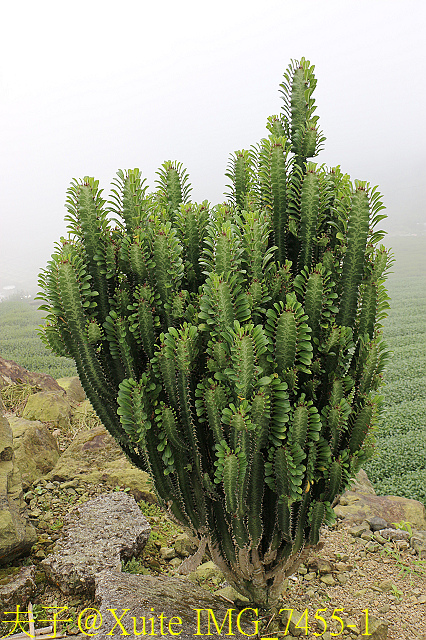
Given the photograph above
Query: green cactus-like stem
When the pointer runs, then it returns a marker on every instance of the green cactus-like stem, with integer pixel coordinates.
(354, 258)
(233, 351)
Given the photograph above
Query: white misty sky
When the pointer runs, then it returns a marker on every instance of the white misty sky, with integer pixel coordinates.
(89, 87)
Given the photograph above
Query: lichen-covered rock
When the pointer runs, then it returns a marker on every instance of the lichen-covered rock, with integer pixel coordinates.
(11, 373)
(17, 587)
(99, 534)
(359, 507)
(207, 571)
(184, 546)
(229, 593)
(36, 450)
(48, 406)
(94, 456)
(17, 535)
(176, 600)
(73, 388)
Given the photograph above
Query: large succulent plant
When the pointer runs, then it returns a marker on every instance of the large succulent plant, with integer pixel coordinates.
(233, 351)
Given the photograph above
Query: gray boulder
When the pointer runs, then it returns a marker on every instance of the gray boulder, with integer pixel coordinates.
(17, 588)
(98, 536)
(17, 535)
(175, 600)
(36, 450)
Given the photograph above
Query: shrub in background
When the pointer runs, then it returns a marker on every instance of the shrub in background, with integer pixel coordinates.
(233, 351)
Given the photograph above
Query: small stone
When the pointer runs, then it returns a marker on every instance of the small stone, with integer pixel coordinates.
(421, 600)
(167, 553)
(386, 585)
(69, 483)
(360, 592)
(384, 609)
(358, 529)
(184, 546)
(377, 523)
(18, 586)
(231, 594)
(394, 534)
(328, 579)
(418, 546)
(352, 626)
(378, 537)
(309, 576)
(372, 546)
(175, 562)
(302, 570)
(291, 626)
(366, 535)
(311, 593)
(342, 578)
(402, 545)
(208, 571)
(320, 565)
(377, 628)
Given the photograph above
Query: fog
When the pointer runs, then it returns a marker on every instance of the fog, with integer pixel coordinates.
(90, 87)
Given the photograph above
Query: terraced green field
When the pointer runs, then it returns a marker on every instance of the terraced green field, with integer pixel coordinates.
(399, 466)
(20, 342)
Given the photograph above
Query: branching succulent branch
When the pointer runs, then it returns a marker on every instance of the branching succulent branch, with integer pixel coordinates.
(233, 351)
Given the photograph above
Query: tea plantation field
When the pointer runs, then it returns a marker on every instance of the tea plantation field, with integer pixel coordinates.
(19, 340)
(399, 465)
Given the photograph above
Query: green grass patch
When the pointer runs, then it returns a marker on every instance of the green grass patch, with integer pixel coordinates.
(20, 342)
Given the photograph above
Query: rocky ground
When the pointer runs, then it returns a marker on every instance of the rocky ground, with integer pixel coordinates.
(354, 572)
(359, 576)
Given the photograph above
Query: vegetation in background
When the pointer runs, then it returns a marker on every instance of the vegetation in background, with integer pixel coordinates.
(234, 352)
(399, 466)
(20, 342)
